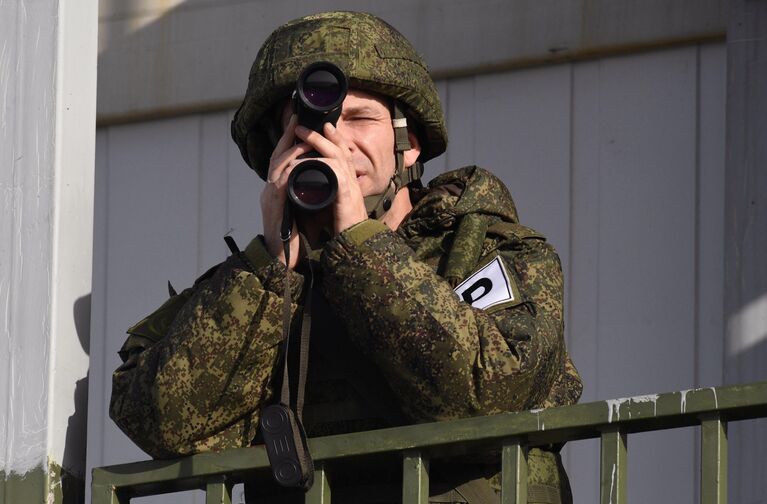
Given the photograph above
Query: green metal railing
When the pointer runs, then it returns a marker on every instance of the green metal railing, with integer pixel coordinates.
(611, 421)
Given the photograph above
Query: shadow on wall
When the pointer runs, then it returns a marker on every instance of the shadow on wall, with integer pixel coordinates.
(73, 463)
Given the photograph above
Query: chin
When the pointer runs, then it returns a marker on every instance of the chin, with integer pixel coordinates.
(371, 192)
(365, 188)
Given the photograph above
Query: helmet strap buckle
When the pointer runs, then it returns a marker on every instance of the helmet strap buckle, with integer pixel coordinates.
(378, 204)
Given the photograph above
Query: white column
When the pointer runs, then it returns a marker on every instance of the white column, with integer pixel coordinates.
(47, 137)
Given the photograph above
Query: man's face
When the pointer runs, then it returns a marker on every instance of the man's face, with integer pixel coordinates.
(366, 126)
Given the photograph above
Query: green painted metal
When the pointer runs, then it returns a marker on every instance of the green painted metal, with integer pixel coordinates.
(52, 485)
(613, 487)
(189, 473)
(514, 473)
(539, 427)
(218, 491)
(105, 494)
(320, 491)
(415, 478)
(28, 487)
(713, 469)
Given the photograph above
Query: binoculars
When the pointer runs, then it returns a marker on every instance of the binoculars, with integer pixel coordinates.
(318, 98)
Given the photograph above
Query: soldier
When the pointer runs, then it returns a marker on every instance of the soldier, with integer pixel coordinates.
(434, 302)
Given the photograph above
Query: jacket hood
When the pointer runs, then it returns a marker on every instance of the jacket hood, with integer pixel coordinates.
(452, 217)
(468, 190)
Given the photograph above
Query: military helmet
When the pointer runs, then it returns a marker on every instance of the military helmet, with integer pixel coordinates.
(374, 56)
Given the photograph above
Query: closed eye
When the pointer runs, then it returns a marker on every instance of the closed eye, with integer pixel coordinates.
(363, 113)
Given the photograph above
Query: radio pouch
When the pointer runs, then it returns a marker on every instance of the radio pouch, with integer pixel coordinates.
(286, 447)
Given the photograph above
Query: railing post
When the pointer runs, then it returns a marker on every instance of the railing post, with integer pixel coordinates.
(613, 488)
(713, 463)
(104, 494)
(320, 491)
(415, 479)
(514, 473)
(103, 491)
(218, 491)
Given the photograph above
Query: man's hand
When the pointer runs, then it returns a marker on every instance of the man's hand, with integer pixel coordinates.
(275, 193)
(349, 206)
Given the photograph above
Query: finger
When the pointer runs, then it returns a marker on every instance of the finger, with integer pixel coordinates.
(286, 141)
(294, 152)
(332, 134)
(277, 166)
(325, 147)
(282, 180)
(288, 136)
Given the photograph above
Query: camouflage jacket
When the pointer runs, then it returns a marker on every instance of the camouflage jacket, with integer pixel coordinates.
(196, 371)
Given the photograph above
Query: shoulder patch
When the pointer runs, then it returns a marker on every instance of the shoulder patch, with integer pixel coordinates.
(490, 287)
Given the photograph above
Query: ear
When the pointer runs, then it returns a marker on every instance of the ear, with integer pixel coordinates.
(411, 155)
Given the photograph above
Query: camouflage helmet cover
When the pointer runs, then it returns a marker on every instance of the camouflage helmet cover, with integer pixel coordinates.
(374, 56)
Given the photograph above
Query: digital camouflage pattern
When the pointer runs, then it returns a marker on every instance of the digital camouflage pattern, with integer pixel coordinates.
(375, 58)
(197, 370)
(443, 358)
(195, 381)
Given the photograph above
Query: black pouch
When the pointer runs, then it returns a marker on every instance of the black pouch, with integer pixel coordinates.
(286, 447)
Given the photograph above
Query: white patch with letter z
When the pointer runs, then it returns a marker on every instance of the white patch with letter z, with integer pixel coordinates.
(489, 287)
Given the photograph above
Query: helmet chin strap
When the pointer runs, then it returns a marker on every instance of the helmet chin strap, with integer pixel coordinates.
(378, 204)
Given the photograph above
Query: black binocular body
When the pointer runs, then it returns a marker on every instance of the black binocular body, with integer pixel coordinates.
(318, 99)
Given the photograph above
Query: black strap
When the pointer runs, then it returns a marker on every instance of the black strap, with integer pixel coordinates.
(232, 245)
(283, 432)
(236, 251)
(306, 328)
(306, 322)
(285, 234)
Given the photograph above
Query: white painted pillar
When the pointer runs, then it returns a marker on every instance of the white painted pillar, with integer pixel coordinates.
(746, 236)
(47, 135)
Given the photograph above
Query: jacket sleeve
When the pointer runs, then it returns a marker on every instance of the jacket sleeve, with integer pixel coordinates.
(442, 357)
(196, 371)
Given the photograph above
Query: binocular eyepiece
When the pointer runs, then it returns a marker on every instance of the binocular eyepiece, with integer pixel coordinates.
(318, 98)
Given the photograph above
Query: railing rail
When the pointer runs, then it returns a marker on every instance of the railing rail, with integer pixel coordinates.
(510, 433)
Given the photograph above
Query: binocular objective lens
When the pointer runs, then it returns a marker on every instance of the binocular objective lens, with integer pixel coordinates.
(321, 88)
(312, 187)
